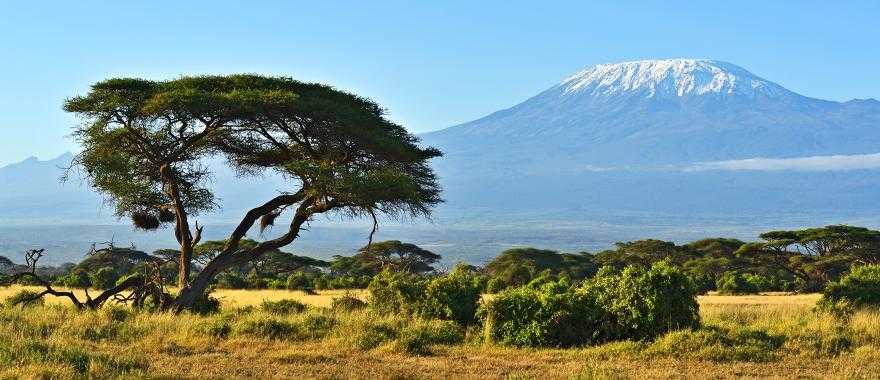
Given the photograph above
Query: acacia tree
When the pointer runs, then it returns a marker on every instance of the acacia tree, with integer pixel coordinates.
(144, 142)
(142, 146)
(398, 256)
(814, 255)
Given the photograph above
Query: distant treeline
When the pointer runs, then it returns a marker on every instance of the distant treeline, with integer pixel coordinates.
(793, 261)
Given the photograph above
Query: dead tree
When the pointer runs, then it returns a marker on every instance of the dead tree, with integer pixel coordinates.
(134, 289)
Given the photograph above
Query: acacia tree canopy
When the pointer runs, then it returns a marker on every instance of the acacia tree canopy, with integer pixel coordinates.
(144, 140)
(399, 256)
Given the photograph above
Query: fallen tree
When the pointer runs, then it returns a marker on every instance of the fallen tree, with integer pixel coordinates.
(135, 289)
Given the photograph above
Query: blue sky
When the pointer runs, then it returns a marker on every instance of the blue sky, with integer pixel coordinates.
(432, 64)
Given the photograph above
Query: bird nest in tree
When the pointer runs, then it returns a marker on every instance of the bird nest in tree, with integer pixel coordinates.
(145, 220)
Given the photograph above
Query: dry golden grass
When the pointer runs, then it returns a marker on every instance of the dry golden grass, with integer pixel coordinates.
(761, 299)
(229, 298)
(236, 344)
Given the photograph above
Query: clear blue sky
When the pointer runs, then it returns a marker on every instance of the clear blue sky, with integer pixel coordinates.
(433, 64)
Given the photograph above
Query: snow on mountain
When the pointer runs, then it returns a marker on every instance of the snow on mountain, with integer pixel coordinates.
(678, 77)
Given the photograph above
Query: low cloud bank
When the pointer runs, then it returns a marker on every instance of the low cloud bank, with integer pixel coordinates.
(813, 163)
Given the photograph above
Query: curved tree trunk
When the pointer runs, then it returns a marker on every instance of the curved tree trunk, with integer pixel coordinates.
(182, 230)
(232, 256)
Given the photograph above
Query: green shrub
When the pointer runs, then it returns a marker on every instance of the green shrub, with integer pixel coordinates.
(315, 326)
(860, 288)
(347, 303)
(254, 281)
(396, 292)
(104, 278)
(703, 282)
(299, 281)
(495, 285)
(277, 283)
(74, 279)
(26, 281)
(452, 297)
(636, 304)
(283, 307)
(218, 327)
(206, 304)
(25, 298)
(554, 315)
(269, 328)
(641, 304)
(733, 283)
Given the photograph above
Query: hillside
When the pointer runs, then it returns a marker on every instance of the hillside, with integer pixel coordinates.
(667, 136)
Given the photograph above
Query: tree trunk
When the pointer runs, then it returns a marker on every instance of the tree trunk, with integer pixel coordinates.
(231, 255)
(182, 231)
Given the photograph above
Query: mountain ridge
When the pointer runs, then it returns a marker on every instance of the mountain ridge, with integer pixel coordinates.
(602, 124)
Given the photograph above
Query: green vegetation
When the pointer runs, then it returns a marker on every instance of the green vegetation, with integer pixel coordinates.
(858, 289)
(635, 304)
(763, 339)
(143, 143)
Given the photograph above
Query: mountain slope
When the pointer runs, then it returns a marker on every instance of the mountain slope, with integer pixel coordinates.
(652, 113)
(620, 137)
(31, 192)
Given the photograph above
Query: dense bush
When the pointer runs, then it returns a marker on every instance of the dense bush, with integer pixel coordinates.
(205, 305)
(255, 281)
(74, 279)
(299, 281)
(495, 285)
(733, 283)
(635, 304)
(859, 288)
(552, 315)
(454, 296)
(396, 292)
(642, 304)
(417, 339)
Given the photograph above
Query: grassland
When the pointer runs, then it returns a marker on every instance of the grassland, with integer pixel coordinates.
(743, 336)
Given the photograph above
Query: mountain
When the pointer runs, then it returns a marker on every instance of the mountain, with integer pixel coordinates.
(650, 113)
(665, 136)
(31, 192)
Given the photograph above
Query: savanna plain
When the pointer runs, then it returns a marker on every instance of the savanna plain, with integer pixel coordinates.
(260, 334)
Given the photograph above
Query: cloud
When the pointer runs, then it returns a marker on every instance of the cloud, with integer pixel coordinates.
(812, 163)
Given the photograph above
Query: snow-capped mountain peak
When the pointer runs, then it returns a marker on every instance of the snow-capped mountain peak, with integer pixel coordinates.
(669, 77)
